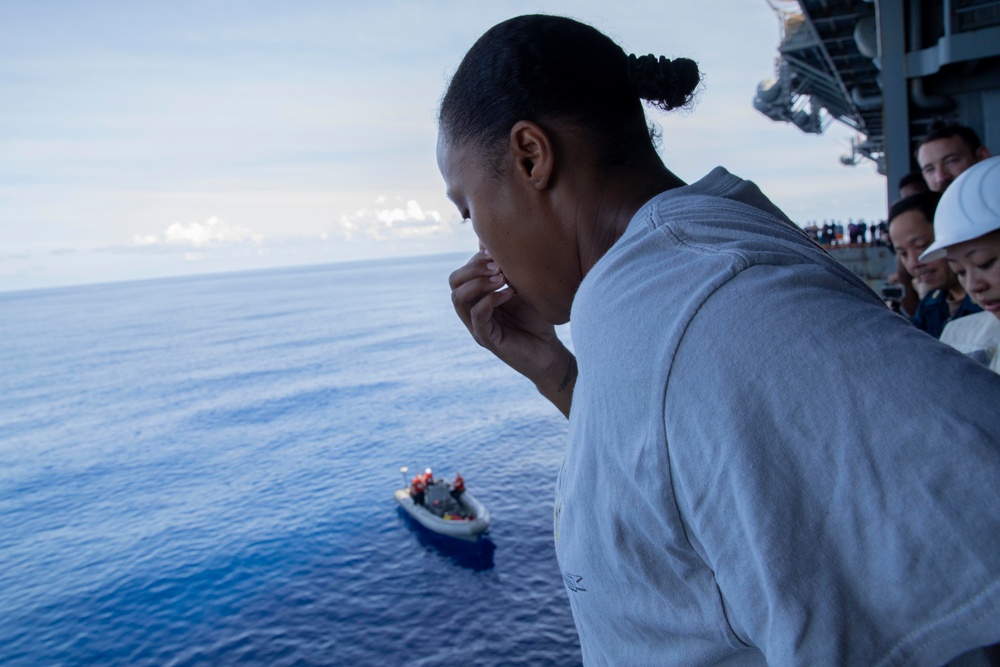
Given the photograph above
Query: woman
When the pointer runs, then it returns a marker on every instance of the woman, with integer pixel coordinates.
(968, 235)
(727, 493)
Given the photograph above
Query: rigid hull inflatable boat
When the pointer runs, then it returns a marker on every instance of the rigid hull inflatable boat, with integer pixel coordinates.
(465, 518)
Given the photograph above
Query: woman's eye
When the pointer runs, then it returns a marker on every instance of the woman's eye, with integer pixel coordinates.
(986, 265)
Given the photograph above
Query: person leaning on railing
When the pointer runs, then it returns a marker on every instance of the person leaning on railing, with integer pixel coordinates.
(705, 512)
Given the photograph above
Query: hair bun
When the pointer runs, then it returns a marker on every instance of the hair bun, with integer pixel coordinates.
(666, 83)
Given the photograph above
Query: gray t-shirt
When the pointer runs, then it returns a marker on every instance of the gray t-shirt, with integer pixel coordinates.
(765, 463)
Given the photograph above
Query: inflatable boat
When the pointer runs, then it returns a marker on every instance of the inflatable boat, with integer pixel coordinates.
(465, 518)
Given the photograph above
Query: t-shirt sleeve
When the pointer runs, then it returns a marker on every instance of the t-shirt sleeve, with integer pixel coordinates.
(838, 471)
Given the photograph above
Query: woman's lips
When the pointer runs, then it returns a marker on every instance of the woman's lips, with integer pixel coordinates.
(991, 305)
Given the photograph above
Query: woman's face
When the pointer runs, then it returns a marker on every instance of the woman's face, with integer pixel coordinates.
(977, 265)
(513, 225)
(911, 233)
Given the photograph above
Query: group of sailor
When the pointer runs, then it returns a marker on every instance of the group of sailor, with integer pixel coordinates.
(420, 484)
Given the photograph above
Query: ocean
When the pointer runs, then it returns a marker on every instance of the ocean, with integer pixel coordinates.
(199, 471)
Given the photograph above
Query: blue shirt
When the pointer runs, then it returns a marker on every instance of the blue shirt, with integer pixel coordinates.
(744, 483)
(933, 312)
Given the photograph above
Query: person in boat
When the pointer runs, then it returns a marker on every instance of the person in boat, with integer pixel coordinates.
(911, 229)
(417, 489)
(428, 477)
(967, 230)
(743, 527)
(458, 487)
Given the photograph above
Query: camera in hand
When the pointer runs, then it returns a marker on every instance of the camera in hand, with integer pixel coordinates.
(892, 292)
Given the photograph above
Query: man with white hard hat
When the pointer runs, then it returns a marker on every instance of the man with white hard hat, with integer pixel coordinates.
(967, 232)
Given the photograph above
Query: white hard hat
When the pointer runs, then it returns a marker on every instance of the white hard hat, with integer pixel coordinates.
(968, 209)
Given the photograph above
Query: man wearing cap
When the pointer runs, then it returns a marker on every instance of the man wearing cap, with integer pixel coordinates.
(967, 225)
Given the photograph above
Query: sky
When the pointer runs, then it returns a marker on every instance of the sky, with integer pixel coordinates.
(154, 139)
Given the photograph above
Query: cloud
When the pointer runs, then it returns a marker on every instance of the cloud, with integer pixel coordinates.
(385, 221)
(212, 232)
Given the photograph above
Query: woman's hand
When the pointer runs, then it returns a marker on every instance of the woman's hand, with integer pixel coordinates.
(510, 328)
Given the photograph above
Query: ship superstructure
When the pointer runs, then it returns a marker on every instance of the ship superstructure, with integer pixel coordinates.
(888, 69)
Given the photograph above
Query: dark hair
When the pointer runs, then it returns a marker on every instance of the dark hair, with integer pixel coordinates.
(925, 202)
(545, 68)
(911, 178)
(941, 130)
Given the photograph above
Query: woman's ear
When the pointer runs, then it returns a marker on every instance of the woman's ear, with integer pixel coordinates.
(531, 150)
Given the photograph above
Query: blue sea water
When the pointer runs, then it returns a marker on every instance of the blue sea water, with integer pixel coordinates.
(199, 471)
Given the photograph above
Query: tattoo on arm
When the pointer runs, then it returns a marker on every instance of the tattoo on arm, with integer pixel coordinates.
(570, 375)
